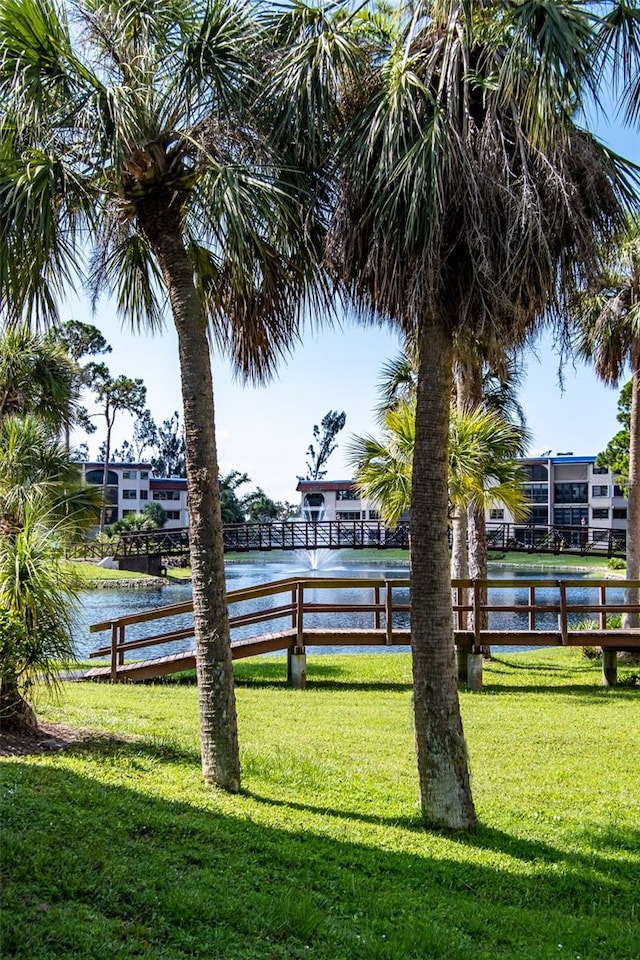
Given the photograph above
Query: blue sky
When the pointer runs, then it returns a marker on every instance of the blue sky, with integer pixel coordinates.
(265, 431)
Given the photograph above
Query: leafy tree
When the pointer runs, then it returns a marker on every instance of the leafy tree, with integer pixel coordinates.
(232, 509)
(258, 507)
(170, 460)
(145, 436)
(157, 513)
(80, 340)
(81, 453)
(324, 443)
(466, 198)
(116, 395)
(130, 134)
(123, 454)
(287, 510)
(616, 456)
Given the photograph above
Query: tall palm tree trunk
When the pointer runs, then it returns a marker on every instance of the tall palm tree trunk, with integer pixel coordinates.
(445, 792)
(469, 396)
(216, 696)
(633, 502)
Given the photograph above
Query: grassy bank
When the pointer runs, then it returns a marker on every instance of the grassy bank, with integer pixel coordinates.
(116, 849)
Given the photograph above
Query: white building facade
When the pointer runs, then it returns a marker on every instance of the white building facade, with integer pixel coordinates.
(131, 486)
(562, 491)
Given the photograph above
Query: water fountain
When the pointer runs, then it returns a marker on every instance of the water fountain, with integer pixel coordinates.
(313, 511)
(315, 559)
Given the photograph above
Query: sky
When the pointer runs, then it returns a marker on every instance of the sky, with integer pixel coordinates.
(265, 431)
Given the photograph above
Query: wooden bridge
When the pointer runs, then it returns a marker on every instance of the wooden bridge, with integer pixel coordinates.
(375, 612)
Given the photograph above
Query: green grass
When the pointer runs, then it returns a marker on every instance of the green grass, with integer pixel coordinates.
(116, 849)
(562, 562)
(91, 572)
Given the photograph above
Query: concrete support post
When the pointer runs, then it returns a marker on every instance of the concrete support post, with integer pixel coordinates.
(462, 659)
(474, 671)
(609, 668)
(297, 670)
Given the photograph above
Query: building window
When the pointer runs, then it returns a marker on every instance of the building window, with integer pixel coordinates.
(96, 476)
(129, 494)
(144, 474)
(129, 474)
(600, 513)
(374, 514)
(144, 494)
(536, 492)
(569, 516)
(538, 515)
(173, 514)
(570, 492)
(536, 471)
(127, 513)
(496, 514)
(347, 495)
(600, 490)
(347, 514)
(166, 494)
(601, 470)
(619, 513)
(618, 491)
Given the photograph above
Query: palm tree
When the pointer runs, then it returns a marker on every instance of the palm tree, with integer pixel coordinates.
(126, 128)
(466, 198)
(43, 507)
(38, 375)
(483, 450)
(608, 318)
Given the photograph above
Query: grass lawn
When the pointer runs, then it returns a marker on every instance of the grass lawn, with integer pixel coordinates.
(89, 572)
(564, 563)
(115, 849)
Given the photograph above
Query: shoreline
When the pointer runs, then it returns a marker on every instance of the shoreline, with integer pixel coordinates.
(155, 583)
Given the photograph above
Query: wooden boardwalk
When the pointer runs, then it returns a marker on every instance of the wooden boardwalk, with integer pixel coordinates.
(384, 603)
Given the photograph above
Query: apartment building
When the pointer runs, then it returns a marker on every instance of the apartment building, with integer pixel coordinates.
(333, 500)
(562, 491)
(569, 491)
(131, 486)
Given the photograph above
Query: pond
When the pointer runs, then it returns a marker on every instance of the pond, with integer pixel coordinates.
(101, 605)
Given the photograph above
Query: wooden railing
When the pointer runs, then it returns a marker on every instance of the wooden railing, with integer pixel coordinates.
(306, 621)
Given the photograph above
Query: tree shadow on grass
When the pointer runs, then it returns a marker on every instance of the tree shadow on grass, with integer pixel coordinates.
(99, 868)
(585, 691)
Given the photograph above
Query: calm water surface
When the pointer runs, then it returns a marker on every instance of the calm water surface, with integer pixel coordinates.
(100, 605)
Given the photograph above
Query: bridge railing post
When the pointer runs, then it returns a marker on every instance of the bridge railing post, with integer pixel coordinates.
(300, 621)
(297, 657)
(388, 612)
(114, 653)
(563, 617)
